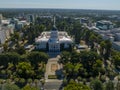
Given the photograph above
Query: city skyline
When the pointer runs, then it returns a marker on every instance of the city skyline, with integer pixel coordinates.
(63, 4)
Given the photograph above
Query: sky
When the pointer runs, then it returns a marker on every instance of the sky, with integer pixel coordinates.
(67, 4)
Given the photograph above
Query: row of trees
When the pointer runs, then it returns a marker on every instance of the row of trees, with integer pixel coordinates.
(23, 68)
(76, 86)
(85, 64)
(115, 59)
(93, 85)
(9, 86)
(34, 58)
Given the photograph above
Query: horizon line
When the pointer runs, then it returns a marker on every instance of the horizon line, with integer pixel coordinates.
(62, 8)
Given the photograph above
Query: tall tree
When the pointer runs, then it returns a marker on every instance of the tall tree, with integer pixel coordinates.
(96, 85)
(37, 57)
(75, 86)
(109, 86)
(65, 57)
(25, 70)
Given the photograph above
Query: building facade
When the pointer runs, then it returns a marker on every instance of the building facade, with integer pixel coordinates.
(5, 32)
(53, 41)
(1, 18)
(104, 25)
(31, 18)
(2, 36)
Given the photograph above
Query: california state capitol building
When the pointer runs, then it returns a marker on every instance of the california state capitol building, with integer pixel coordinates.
(54, 40)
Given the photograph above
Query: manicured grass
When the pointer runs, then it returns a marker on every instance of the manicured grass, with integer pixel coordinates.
(52, 77)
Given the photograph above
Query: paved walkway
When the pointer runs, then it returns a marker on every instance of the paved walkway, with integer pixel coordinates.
(53, 68)
(53, 86)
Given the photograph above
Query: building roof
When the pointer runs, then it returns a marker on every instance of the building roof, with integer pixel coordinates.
(45, 37)
(117, 43)
(5, 21)
(105, 22)
(65, 39)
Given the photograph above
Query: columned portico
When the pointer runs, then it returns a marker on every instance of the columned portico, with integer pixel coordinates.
(54, 47)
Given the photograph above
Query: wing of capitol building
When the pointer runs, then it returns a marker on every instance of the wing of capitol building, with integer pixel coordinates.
(54, 40)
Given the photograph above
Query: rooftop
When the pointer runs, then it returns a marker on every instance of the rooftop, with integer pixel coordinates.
(105, 22)
(45, 36)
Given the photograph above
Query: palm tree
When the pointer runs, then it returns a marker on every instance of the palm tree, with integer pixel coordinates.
(9, 72)
(5, 46)
(79, 79)
(29, 80)
(3, 72)
(16, 80)
(22, 81)
(64, 81)
(84, 81)
(43, 82)
(118, 78)
(36, 82)
(96, 85)
(109, 86)
(118, 86)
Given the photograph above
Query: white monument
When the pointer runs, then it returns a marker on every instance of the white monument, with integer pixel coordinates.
(54, 40)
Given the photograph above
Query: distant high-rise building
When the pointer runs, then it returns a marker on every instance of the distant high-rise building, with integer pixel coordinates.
(104, 25)
(2, 36)
(1, 18)
(31, 18)
(5, 32)
(84, 20)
